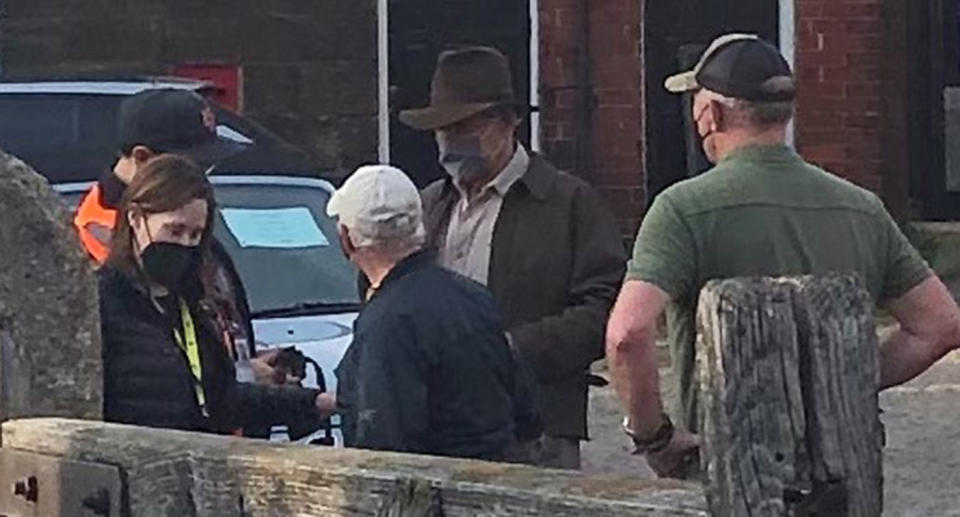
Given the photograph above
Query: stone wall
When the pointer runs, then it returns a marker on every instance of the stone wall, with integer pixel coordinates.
(50, 360)
(310, 71)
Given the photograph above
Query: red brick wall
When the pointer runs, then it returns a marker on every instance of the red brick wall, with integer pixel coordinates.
(840, 62)
(616, 128)
(843, 67)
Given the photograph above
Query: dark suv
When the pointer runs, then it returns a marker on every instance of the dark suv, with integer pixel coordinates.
(67, 130)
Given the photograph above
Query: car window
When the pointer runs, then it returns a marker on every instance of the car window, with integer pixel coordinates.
(73, 137)
(59, 134)
(275, 277)
(63, 120)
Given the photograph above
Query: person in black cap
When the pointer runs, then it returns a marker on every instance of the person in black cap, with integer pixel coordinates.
(761, 211)
(180, 122)
(150, 123)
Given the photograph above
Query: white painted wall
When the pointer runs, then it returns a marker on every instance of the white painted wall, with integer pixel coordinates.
(383, 82)
(535, 74)
(788, 45)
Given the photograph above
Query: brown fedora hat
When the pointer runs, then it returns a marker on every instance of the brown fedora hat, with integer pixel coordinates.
(467, 81)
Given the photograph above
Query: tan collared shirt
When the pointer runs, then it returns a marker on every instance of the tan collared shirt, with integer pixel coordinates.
(470, 233)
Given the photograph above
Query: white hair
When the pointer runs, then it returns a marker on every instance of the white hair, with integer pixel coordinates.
(401, 232)
(759, 114)
(721, 99)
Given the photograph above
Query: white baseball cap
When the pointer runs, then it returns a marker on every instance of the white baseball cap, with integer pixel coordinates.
(378, 202)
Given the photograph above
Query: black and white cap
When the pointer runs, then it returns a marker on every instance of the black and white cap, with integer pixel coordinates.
(741, 66)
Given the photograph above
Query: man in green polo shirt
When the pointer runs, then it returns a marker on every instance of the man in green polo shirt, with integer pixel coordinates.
(761, 211)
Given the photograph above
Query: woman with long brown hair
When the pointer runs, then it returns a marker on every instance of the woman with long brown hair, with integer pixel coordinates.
(165, 364)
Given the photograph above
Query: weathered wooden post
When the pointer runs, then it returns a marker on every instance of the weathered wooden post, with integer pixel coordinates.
(789, 380)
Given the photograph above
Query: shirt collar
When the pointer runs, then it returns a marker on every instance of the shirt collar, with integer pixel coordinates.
(510, 174)
(762, 153)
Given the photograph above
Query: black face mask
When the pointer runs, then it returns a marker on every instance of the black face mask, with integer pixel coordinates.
(173, 266)
(111, 189)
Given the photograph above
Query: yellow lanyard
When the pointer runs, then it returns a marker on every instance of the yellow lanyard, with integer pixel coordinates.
(188, 343)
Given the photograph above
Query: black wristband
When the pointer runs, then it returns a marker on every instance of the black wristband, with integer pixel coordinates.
(656, 443)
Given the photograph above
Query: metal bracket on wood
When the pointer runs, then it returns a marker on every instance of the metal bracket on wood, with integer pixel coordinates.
(45, 486)
(825, 500)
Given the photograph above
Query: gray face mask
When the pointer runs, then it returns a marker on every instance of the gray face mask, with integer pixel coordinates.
(463, 159)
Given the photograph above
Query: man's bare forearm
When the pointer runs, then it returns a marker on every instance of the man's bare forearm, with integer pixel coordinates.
(929, 328)
(904, 356)
(632, 354)
(633, 365)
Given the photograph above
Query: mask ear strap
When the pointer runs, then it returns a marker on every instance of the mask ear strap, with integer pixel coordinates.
(139, 212)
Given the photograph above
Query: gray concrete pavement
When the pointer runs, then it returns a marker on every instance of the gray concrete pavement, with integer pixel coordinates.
(921, 459)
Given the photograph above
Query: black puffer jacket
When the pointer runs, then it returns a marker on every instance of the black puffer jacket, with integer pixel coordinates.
(147, 379)
(430, 370)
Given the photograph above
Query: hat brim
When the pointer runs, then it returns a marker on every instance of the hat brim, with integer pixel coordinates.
(682, 83)
(434, 117)
(210, 154)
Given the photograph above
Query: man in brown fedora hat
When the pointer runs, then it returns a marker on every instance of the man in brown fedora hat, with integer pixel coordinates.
(541, 240)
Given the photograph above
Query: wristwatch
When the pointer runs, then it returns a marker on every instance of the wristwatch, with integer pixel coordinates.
(656, 443)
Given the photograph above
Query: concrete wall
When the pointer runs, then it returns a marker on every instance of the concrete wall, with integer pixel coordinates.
(310, 65)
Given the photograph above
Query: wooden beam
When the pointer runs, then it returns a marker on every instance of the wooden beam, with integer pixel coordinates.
(789, 383)
(176, 473)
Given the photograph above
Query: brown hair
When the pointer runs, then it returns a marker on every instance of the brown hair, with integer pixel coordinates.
(166, 183)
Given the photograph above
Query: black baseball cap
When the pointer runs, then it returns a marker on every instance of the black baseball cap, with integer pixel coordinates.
(173, 121)
(741, 66)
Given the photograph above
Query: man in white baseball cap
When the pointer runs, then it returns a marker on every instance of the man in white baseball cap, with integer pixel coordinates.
(429, 370)
(381, 219)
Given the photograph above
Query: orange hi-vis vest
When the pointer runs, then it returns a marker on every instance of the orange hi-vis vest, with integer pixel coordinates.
(95, 223)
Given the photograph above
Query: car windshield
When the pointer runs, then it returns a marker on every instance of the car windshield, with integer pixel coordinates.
(285, 247)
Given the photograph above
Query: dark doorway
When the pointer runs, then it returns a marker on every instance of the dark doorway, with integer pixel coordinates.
(675, 32)
(934, 79)
(419, 31)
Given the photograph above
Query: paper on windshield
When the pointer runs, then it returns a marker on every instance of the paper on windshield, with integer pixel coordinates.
(274, 227)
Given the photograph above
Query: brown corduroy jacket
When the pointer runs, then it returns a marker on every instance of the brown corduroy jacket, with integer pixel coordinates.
(556, 264)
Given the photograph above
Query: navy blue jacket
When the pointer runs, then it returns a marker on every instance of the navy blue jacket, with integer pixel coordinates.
(430, 371)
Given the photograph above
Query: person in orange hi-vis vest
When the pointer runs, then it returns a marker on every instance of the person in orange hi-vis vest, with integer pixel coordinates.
(150, 123)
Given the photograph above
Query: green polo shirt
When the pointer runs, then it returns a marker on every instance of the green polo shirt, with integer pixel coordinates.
(763, 211)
